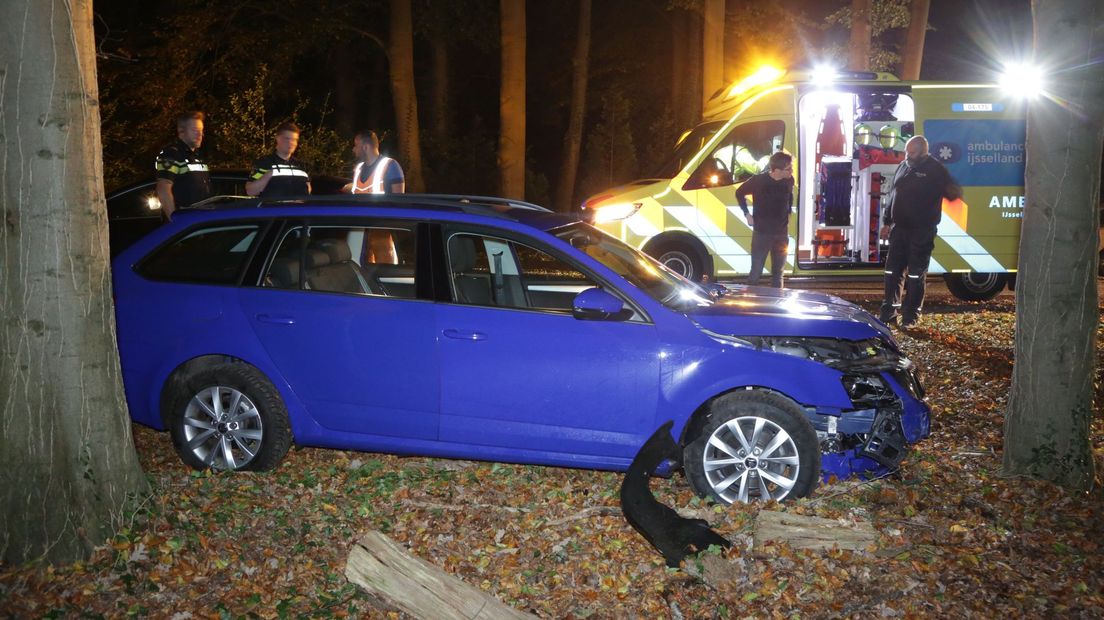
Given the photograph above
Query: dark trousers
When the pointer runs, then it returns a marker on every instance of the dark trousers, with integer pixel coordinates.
(774, 244)
(909, 249)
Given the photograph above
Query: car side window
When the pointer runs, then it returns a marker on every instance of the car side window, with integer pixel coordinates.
(357, 260)
(213, 255)
(489, 271)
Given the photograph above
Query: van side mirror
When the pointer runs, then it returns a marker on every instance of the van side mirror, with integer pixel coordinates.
(595, 304)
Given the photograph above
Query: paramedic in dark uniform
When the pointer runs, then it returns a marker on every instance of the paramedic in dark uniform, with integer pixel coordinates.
(771, 198)
(280, 174)
(376, 174)
(182, 178)
(910, 220)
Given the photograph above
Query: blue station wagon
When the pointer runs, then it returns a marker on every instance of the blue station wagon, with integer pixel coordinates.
(483, 328)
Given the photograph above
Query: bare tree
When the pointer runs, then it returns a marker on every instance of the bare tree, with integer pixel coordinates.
(914, 40)
(1050, 408)
(67, 460)
(511, 101)
(713, 27)
(859, 49)
(401, 55)
(565, 192)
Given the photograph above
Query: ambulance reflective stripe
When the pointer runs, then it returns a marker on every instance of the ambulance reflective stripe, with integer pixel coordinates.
(713, 237)
(374, 185)
(641, 226)
(967, 247)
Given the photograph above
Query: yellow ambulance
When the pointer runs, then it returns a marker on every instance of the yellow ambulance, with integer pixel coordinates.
(847, 131)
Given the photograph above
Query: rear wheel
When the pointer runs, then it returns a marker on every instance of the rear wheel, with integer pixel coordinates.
(754, 446)
(682, 258)
(975, 286)
(229, 417)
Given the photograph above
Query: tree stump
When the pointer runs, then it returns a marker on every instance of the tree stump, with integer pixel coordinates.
(382, 567)
(804, 532)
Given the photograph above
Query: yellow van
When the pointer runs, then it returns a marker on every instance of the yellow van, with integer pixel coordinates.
(847, 131)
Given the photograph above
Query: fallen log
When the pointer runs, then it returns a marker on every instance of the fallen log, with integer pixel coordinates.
(383, 568)
(805, 532)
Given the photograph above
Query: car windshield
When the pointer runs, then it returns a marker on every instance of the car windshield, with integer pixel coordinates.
(640, 270)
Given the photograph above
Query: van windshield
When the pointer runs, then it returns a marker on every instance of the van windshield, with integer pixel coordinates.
(640, 270)
(687, 148)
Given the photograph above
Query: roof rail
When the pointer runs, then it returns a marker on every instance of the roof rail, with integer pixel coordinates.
(466, 203)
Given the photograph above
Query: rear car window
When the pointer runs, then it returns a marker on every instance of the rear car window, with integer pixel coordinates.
(214, 255)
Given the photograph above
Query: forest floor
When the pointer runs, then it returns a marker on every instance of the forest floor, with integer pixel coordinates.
(955, 538)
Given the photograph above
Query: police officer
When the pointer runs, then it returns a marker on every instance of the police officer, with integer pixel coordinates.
(910, 220)
(182, 177)
(280, 174)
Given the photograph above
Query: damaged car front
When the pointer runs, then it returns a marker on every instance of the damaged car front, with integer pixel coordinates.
(886, 413)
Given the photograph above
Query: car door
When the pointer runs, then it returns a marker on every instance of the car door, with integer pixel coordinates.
(518, 371)
(359, 353)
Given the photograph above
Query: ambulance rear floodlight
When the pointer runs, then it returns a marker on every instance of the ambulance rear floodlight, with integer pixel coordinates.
(824, 74)
(765, 75)
(617, 211)
(1022, 79)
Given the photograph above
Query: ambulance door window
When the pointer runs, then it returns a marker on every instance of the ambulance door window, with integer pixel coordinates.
(743, 152)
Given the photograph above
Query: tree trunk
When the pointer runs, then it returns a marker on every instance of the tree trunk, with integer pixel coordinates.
(859, 59)
(511, 102)
(565, 192)
(441, 112)
(713, 23)
(401, 54)
(67, 463)
(914, 40)
(1050, 408)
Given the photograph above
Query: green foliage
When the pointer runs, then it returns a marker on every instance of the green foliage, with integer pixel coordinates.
(888, 19)
(609, 153)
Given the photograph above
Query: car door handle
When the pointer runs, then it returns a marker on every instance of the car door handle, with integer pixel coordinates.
(461, 334)
(279, 319)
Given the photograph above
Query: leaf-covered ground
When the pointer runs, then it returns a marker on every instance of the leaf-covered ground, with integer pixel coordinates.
(956, 539)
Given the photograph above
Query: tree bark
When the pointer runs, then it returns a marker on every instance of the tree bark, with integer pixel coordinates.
(401, 53)
(441, 112)
(67, 461)
(859, 59)
(713, 22)
(914, 39)
(511, 102)
(1050, 408)
(565, 192)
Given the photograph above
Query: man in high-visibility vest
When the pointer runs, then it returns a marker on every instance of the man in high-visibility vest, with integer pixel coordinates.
(376, 174)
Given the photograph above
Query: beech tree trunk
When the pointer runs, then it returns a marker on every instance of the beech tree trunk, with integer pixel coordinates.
(713, 23)
(511, 101)
(67, 461)
(565, 192)
(401, 53)
(859, 59)
(1050, 408)
(914, 40)
(442, 115)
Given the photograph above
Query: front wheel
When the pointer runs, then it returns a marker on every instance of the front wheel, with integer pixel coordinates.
(755, 446)
(681, 258)
(975, 286)
(229, 417)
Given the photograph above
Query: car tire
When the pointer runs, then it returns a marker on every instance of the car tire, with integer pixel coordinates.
(975, 286)
(229, 417)
(754, 446)
(680, 257)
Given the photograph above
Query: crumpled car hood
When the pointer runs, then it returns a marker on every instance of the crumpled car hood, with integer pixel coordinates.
(763, 311)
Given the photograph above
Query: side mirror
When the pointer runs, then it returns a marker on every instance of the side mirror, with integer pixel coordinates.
(594, 304)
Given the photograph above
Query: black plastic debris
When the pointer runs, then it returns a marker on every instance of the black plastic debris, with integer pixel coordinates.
(674, 536)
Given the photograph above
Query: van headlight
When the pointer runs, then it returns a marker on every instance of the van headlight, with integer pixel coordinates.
(616, 211)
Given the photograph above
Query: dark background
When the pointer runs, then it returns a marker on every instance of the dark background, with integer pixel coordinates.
(326, 68)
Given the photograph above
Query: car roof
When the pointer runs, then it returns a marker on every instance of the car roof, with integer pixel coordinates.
(500, 208)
